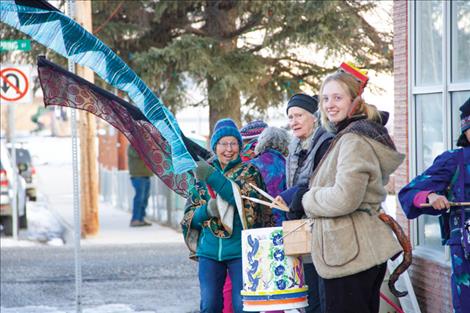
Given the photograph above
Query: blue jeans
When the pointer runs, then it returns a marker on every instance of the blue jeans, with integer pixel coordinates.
(212, 276)
(142, 192)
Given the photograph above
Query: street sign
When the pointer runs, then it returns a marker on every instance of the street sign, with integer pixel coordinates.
(15, 45)
(15, 84)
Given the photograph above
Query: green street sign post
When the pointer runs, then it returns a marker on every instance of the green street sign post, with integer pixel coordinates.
(15, 45)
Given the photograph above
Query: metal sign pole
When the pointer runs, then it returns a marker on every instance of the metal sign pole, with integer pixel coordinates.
(14, 179)
(76, 191)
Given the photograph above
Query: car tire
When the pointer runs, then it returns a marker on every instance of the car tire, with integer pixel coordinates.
(23, 220)
(7, 223)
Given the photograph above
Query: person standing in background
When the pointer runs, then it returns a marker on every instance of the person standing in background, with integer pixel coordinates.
(140, 178)
(250, 133)
(309, 145)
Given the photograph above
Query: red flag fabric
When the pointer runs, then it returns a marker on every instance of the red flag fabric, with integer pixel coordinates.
(63, 88)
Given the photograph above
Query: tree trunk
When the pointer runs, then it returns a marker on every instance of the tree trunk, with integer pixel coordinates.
(221, 19)
(223, 107)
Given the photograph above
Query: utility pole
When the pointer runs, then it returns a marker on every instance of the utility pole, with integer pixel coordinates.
(122, 144)
(87, 131)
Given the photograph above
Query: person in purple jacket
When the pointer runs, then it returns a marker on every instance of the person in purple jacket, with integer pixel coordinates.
(445, 182)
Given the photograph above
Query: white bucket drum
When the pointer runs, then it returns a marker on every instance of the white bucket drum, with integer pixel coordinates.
(271, 280)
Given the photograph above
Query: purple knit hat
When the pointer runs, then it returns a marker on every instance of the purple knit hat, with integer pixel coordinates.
(253, 129)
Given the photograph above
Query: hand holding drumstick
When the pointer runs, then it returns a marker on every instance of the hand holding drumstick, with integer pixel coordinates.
(275, 203)
(439, 202)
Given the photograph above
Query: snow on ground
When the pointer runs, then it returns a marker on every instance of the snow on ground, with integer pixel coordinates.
(110, 308)
(43, 226)
(8, 242)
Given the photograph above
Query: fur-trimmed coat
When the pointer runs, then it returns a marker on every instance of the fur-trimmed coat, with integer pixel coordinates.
(299, 174)
(344, 201)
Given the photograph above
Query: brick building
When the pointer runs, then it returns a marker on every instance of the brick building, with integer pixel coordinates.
(432, 80)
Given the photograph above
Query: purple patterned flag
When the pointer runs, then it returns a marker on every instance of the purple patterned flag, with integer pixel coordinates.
(60, 87)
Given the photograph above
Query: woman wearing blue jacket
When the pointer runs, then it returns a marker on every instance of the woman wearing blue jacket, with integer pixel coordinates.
(214, 219)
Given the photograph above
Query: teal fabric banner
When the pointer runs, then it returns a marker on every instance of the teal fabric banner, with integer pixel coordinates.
(58, 32)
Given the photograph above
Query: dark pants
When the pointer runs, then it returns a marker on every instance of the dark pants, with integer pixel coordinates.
(355, 293)
(315, 289)
(212, 279)
(142, 192)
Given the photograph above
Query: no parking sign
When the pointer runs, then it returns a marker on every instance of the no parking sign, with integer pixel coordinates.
(15, 84)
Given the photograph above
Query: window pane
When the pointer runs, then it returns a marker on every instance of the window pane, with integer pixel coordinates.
(458, 98)
(430, 133)
(430, 129)
(430, 236)
(460, 48)
(429, 26)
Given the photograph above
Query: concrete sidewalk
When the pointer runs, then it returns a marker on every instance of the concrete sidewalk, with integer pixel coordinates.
(114, 226)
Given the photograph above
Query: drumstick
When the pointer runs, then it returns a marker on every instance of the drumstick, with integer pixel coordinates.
(261, 191)
(428, 205)
(281, 206)
(268, 204)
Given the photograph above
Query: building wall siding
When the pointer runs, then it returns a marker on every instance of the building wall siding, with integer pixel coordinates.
(107, 155)
(431, 280)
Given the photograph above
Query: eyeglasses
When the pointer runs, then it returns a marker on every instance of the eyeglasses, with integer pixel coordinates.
(225, 145)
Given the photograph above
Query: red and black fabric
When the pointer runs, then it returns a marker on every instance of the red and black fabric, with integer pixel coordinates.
(63, 88)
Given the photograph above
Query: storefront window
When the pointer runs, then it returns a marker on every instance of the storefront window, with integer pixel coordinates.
(460, 38)
(440, 84)
(429, 27)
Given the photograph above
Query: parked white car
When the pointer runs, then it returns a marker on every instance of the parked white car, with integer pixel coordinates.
(8, 172)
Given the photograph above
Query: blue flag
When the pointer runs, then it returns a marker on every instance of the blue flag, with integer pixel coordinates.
(58, 32)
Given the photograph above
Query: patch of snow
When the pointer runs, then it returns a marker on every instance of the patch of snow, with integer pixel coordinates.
(56, 242)
(43, 226)
(109, 308)
(31, 309)
(8, 242)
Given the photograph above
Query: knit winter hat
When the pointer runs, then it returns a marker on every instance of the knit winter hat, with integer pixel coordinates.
(223, 128)
(303, 101)
(464, 122)
(253, 129)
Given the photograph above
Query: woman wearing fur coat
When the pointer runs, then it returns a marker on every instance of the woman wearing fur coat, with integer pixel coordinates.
(350, 244)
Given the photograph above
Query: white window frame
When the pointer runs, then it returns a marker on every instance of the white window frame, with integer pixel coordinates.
(445, 88)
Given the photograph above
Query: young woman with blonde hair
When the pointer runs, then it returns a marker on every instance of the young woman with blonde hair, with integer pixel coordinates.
(350, 244)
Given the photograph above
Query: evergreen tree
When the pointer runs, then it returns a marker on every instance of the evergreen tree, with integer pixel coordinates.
(241, 52)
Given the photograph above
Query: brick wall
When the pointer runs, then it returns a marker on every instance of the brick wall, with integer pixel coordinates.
(430, 279)
(400, 77)
(431, 283)
(107, 155)
(112, 149)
